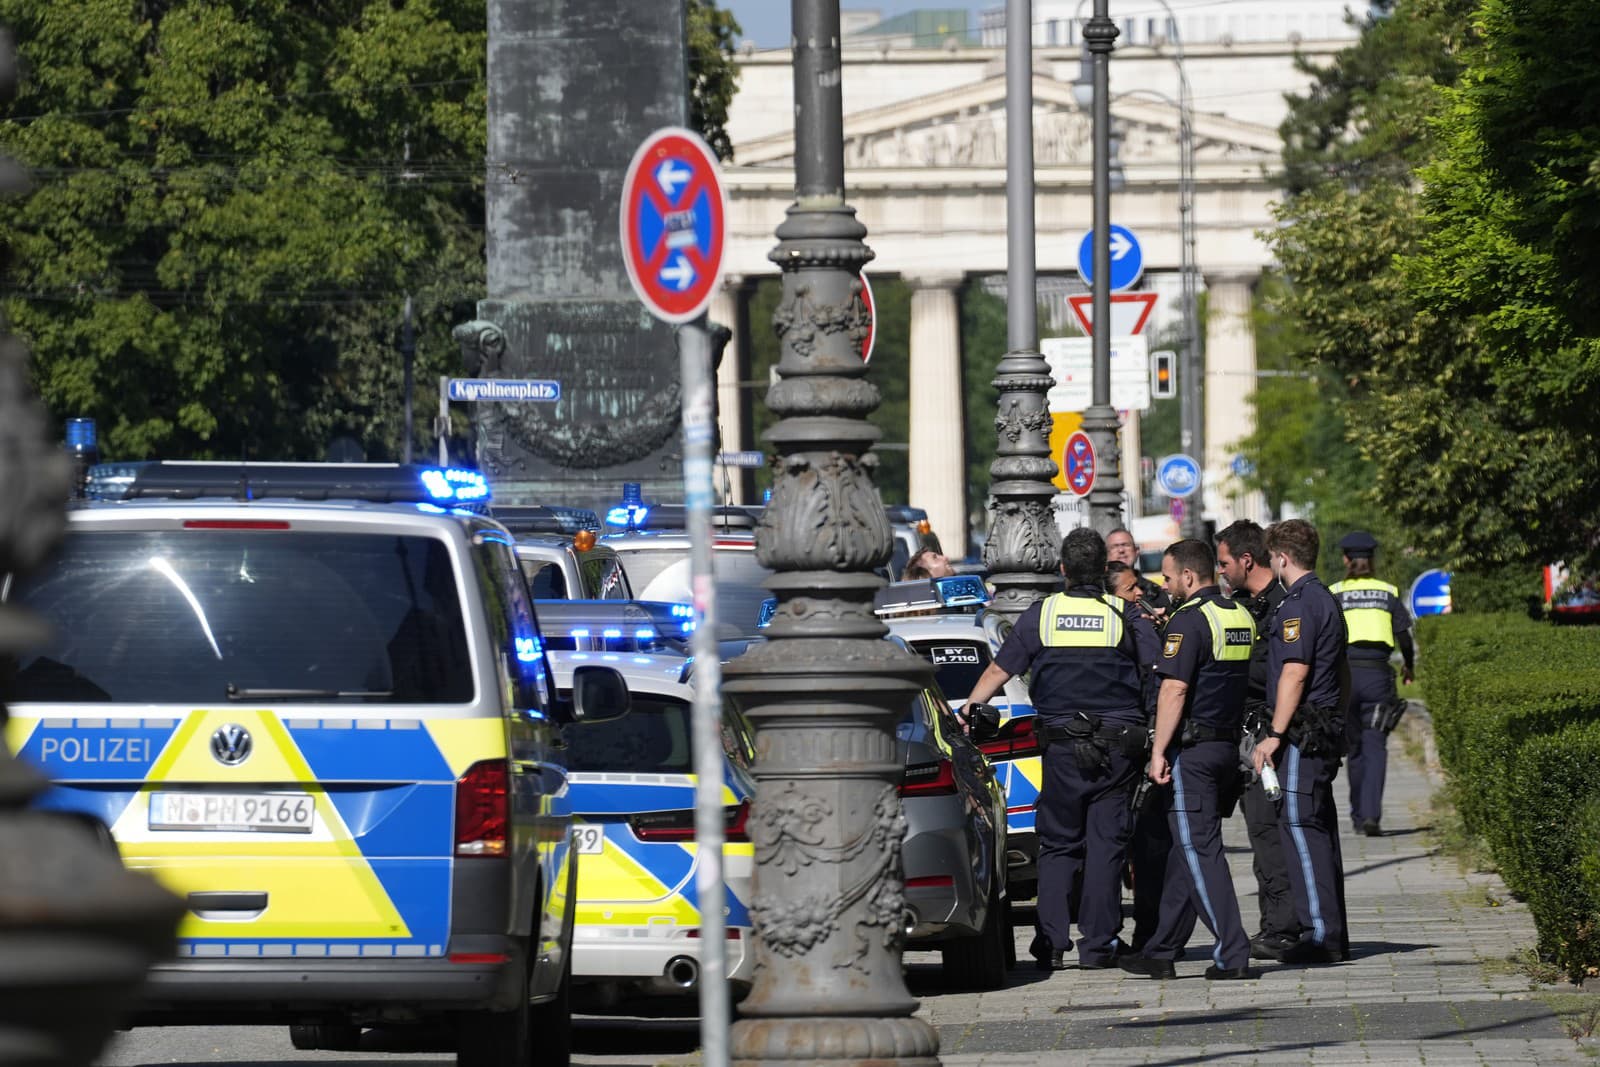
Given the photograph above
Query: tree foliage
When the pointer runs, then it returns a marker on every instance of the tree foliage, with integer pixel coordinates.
(232, 201)
(713, 77)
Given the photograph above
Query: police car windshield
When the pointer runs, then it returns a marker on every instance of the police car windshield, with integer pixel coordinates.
(956, 664)
(200, 616)
(663, 574)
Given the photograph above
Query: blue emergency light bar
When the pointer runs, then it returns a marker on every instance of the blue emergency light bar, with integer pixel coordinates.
(613, 625)
(545, 518)
(932, 595)
(769, 609)
(633, 511)
(386, 483)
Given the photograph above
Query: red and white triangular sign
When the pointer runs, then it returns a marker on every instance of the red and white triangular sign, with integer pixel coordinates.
(1130, 312)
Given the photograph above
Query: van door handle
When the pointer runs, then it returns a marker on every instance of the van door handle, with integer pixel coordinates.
(227, 905)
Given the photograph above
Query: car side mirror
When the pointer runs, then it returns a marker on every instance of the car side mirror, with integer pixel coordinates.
(983, 722)
(599, 694)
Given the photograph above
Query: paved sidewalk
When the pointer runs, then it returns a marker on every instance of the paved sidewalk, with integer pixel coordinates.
(1423, 987)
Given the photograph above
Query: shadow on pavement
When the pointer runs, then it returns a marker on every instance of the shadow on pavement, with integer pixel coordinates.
(1391, 862)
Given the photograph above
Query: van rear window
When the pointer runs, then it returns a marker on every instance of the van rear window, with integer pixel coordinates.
(212, 617)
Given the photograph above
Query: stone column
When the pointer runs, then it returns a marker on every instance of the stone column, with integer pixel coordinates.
(1229, 381)
(728, 308)
(938, 461)
(1132, 443)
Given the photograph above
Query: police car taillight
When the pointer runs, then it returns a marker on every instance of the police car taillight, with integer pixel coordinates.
(656, 826)
(481, 809)
(1015, 741)
(929, 779)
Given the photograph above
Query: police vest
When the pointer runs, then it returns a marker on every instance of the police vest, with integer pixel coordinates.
(1088, 662)
(1218, 694)
(1368, 611)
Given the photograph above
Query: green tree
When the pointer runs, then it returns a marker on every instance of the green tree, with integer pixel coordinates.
(713, 77)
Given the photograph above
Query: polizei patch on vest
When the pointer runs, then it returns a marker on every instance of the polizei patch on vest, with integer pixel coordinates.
(1235, 636)
(1291, 630)
(1081, 623)
(1174, 642)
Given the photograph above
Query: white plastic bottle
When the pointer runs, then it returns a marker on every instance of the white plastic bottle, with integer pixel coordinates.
(1269, 782)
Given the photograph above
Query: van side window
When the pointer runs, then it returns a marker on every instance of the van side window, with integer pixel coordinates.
(514, 631)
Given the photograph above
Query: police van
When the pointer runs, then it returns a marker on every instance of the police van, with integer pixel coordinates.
(313, 701)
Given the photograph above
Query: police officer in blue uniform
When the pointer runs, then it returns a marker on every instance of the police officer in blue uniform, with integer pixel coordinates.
(1083, 650)
(1205, 673)
(1378, 623)
(1307, 682)
(1248, 577)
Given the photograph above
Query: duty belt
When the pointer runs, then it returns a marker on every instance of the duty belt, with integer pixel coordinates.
(1364, 663)
(1194, 733)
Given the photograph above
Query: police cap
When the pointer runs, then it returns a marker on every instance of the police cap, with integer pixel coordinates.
(1358, 543)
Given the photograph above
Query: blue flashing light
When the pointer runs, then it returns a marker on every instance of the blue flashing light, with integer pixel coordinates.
(683, 611)
(611, 634)
(769, 608)
(644, 634)
(528, 649)
(632, 511)
(960, 590)
(432, 509)
(687, 627)
(82, 436)
(444, 483)
(578, 633)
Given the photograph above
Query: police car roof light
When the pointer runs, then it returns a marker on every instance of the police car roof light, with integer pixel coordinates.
(769, 608)
(633, 511)
(82, 436)
(960, 590)
(371, 482)
(546, 518)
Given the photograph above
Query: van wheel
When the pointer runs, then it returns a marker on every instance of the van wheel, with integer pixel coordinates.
(552, 1021)
(979, 961)
(338, 1037)
(497, 1038)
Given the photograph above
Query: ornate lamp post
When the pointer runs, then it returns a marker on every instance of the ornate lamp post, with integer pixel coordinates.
(1100, 421)
(826, 690)
(1023, 552)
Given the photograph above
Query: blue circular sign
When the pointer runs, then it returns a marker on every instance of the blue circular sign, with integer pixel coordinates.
(1077, 463)
(1430, 593)
(1127, 259)
(1178, 475)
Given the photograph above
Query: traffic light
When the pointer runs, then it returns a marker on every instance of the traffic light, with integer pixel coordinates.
(1163, 375)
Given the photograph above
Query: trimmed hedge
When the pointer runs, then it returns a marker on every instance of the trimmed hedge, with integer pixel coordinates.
(1503, 589)
(1516, 711)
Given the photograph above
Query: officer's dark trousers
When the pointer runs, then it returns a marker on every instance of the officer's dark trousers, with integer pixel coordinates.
(1084, 823)
(1309, 828)
(1198, 880)
(1274, 894)
(1370, 685)
(1149, 850)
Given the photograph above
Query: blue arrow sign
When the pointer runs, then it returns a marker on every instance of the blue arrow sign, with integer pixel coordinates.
(1127, 259)
(503, 390)
(1178, 476)
(1430, 593)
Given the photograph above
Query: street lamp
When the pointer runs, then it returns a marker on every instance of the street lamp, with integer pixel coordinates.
(825, 691)
(1022, 552)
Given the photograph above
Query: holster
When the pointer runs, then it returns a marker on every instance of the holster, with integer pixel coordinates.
(1386, 717)
(1318, 732)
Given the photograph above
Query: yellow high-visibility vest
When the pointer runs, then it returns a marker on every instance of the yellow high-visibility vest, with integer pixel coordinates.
(1368, 614)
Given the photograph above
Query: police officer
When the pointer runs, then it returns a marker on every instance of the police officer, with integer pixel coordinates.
(1205, 671)
(1120, 548)
(1247, 575)
(1378, 622)
(1082, 650)
(1307, 680)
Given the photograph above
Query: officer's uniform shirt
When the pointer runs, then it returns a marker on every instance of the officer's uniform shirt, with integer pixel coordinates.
(1308, 628)
(1151, 593)
(1373, 636)
(1104, 682)
(1261, 607)
(1217, 684)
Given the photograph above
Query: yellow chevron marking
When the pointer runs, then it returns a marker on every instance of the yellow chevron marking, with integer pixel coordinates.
(463, 742)
(18, 731)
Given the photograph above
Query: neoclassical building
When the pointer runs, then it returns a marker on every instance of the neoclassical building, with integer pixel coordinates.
(925, 156)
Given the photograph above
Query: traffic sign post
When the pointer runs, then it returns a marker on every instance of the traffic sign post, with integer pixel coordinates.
(1077, 464)
(673, 215)
(1430, 593)
(1177, 476)
(1127, 259)
(1072, 367)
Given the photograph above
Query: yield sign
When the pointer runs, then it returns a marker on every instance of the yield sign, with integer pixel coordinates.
(672, 224)
(1130, 312)
(872, 319)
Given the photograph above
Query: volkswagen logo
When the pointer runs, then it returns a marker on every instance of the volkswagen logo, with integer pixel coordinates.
(231, 744)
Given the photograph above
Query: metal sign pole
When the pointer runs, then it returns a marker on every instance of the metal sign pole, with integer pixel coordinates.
(699, 438)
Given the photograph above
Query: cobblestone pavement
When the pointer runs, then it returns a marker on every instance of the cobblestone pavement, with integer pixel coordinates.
(1427, 984)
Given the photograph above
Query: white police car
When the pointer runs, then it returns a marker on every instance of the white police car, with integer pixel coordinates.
(313, 701)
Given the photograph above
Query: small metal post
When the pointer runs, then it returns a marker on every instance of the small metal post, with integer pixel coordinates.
(699, 437)
(1100, 421)
(408, 350)
(1022, 552)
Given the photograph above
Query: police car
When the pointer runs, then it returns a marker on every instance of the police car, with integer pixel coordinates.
(632, 786)
(559, 554)
(941, 620)
(313, 701)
